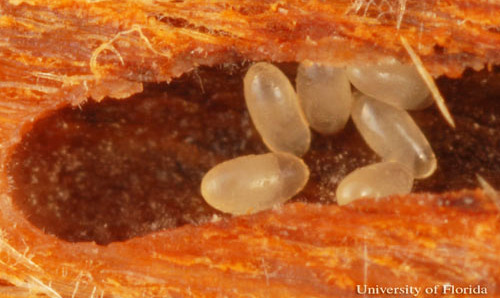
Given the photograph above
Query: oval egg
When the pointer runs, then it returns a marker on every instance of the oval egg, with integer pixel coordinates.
(325, 96)
(253, 183)
(393, 135)
(394, 83)
(275, 110)
(375, 181)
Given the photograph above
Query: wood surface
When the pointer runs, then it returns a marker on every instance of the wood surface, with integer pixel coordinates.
(55, 54)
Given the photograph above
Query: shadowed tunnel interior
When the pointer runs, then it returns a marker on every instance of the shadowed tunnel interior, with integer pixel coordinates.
(118, 169)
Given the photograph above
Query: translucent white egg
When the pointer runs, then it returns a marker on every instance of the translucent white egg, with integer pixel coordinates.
(275, 110)
(393, 135)
(325, 96)
(253, 183)
(392, 82)
(375, 181)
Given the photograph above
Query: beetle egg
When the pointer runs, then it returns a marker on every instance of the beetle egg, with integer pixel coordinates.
(393, 135)
(375, 181)
(275, 110)
(253, 183)
(325, 95)
(392, 82)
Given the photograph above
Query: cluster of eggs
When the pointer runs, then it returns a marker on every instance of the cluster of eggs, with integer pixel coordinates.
(324, 101)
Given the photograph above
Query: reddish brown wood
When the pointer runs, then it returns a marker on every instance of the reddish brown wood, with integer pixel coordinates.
(59, 53)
